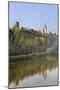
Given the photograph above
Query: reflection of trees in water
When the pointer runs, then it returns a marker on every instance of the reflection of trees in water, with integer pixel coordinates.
(18, 70)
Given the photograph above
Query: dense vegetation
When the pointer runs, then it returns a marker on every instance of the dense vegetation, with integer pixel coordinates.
(23, 41)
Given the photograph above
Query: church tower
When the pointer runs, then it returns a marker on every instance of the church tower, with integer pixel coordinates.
(45, 29)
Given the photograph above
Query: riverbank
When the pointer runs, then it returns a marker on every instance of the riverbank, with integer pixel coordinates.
(27, 55)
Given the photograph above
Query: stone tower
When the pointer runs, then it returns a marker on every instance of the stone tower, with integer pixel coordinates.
(17, 23)
(45, 29)
(16, 27)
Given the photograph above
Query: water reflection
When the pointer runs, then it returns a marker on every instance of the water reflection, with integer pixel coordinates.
(24, 68)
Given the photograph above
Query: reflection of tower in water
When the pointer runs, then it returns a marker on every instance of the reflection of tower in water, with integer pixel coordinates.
(44, 73)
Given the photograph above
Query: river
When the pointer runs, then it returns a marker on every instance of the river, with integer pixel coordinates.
(33, 71)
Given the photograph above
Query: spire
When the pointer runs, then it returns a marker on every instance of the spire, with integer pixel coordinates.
(45, 26)
(45, 29)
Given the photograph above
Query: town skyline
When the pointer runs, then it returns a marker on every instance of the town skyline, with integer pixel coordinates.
(40, 29)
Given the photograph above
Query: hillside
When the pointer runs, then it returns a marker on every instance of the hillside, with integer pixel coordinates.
(22, 41)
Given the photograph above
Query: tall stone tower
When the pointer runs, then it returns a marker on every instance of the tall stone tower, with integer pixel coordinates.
(16, 24)
(45, 29)
(16, 27)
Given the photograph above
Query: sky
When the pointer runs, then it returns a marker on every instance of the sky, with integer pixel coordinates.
(34, 15)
